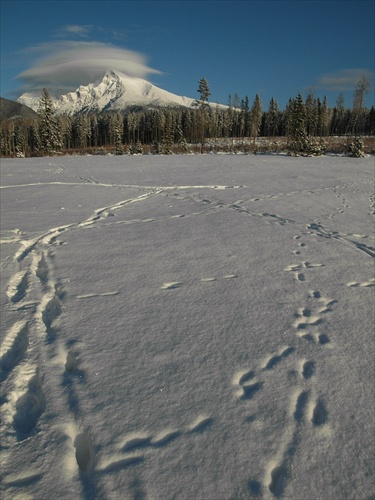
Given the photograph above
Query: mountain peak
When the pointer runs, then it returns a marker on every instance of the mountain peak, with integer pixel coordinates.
(114, 91)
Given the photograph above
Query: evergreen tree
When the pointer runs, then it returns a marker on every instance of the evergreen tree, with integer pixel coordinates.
(247, 112)
(3, 142)
(272, 118)
(182, 144)
(83, 131)
(338, 114)
(167, 143)
(311, 109)
(131, 127)
(155, 148)
(20, 139)
(370, 122)
(228, 125)
(298, 142)
(202, 104)
(94, 126)
(117, 128)
(66, 131)
(323, 118)
(256, 117)
(49, 132)
(34, 138)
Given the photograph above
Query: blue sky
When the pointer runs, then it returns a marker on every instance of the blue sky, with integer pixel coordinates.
(273, 48)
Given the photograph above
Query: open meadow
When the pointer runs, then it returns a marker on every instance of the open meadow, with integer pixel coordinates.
(187, 327)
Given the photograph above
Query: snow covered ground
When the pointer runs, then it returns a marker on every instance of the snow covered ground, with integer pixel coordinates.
(187, 327)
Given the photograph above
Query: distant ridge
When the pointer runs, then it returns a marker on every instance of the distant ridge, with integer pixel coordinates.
(114, 92)
(12, 109)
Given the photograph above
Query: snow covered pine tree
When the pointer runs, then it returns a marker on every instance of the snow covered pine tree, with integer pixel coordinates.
(49, 130)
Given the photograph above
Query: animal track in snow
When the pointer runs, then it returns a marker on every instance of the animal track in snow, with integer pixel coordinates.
(249, 390)
(242, 376)
(105, 212)
(320, 231)
(145, 442)
(177, 284)
(49, 309)
(14, 346)
(296, 269)
(118, 462)
(26, 247)
(246, 386)
(275, 359)
(92, 295)
(281, 220)
(316, 338)
(308, 369)
(164, 438)
(200, 424)
(84, 451)
(51, 235)
(308, 318)
(278, 479)
(304, 322)
(301, 409)
(71, 362)
(136, 440)
(247, 383)
(17, 286)
(226, 277)
(23, 479)
(171, 285)
(46, 239)
(15, 236)
(319, 415)
(27, 401)
(365, 284)
(40, 267)
(302, 265)
(300, 405)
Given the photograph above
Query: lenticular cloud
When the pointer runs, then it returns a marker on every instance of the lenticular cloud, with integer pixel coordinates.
(69, 64)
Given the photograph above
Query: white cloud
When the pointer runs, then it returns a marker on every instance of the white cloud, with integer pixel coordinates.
(75, 29)
(344, 79)
(68, 64)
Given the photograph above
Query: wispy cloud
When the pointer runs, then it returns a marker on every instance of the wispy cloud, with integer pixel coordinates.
(75, 29)
(344, 79)
(67, 64)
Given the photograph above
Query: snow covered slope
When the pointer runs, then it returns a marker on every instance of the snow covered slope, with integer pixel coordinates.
(115, 91)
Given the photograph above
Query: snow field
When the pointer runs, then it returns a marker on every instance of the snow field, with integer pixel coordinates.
(187, 327)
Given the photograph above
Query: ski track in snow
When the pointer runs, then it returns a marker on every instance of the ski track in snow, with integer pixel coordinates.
(32, 337)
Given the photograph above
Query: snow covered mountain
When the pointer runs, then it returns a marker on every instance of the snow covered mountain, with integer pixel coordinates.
(115, 92)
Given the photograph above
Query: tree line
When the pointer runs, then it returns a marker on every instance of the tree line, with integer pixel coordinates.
(305, 122)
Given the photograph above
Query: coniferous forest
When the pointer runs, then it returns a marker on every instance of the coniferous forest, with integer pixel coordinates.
(307, 126)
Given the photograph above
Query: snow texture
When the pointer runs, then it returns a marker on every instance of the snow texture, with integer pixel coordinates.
(187, 327)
